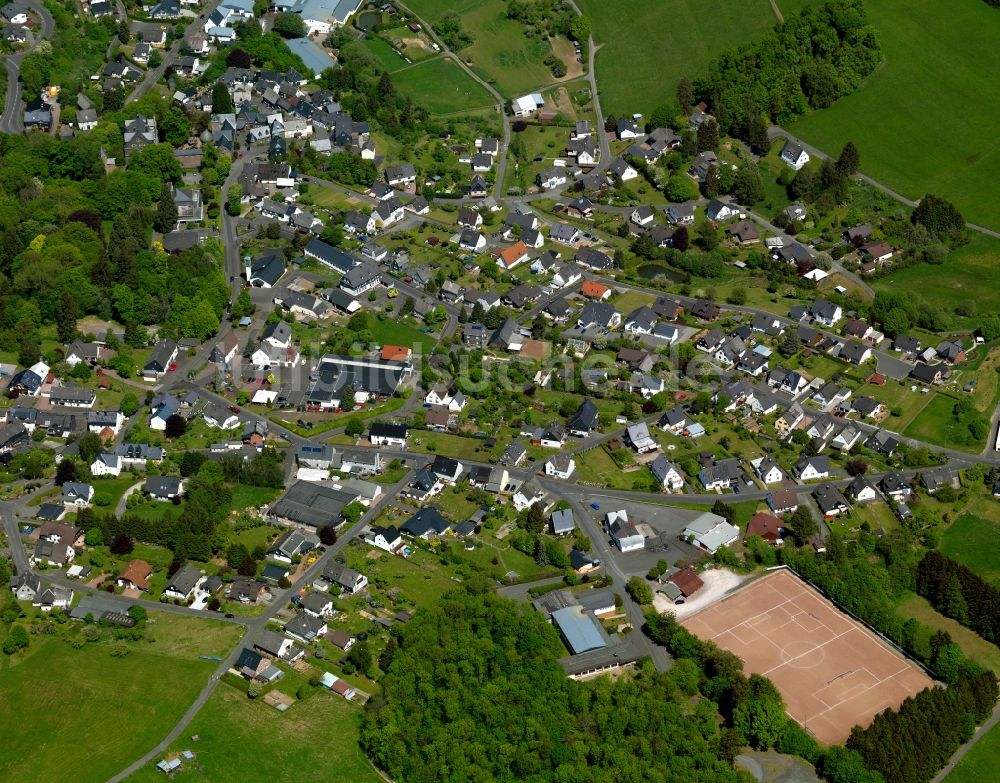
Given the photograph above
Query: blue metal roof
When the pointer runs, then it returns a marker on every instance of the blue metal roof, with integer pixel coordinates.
(312, 54)
(578, 629)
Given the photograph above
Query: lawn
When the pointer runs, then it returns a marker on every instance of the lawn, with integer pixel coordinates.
(500, 52)
(58, 692)
(389, 332)
(973, 645)
(647, 47)
(982, 762)
(969, 271)
(975, 542)
(628, 301)
(442, 87)
(452, 445)
(245, 496)
(937, 424)
(931, 107)
(417, 580)
(382, 50)
(315, 739)
(893, 394)
(596, 467)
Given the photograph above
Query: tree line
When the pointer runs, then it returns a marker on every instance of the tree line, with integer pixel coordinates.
(911, 744)
(961, 594)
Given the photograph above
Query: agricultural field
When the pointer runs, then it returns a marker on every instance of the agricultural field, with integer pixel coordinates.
(442, 87)
(639, 63)
(930, 107)
(55, 690)
(316, 739)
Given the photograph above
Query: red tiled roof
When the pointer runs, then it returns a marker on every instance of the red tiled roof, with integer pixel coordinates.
(687, 581)
(765, 525)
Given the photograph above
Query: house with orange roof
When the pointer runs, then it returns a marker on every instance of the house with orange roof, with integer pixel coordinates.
(594, 290)
(511, 256)
(135, 575)
(395, 353)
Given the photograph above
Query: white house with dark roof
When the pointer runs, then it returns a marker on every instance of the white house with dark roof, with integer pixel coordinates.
(794, 154)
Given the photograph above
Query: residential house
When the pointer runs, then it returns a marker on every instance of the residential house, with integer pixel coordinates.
(830, 501)
(768, 470)
(860, 490)
(427, 523)
(794, 154)
(896, 486)
(163, 487)
(667, 473)
(183, 584)
(135, 575)
(624, 532)
(808, 468)
(639, 438)
(766, 526)
(560, 466)
(385, 538)
(349, 580)
(161, 360)
(584, 421)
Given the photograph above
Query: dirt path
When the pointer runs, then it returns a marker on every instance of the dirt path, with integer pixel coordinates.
(777, 11)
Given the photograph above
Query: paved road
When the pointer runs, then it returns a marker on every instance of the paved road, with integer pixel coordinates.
(12, 120)
(153, 75)
(604, 552)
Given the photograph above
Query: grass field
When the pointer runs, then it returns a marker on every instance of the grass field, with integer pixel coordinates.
(389, 332)
(500, 52)
(973, 645)
(936, 424)
(442, 87)
(640, 61)
(58, 692)
(382, 50)
(969, 271)
(930, 109)
(315, 739)
(975, 542)
(981, 763)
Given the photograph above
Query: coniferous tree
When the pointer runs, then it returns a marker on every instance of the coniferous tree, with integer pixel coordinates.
(166, 211)
(66, 318)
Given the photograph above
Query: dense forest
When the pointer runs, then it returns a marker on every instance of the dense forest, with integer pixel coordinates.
(961, 594)
(76, 238)
(808, 62)
(473, 692)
